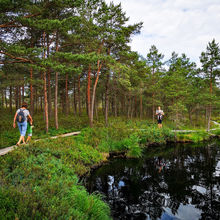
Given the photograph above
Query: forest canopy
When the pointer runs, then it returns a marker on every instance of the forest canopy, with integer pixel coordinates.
(74, 56)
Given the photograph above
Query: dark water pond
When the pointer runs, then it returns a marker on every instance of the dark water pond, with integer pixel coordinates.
(169, 182)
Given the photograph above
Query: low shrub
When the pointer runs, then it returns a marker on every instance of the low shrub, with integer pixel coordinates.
(40, 181)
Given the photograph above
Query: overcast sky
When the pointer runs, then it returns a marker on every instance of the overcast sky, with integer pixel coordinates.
(183, 26)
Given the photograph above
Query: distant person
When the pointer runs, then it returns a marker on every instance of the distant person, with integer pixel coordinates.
(159, 114)
(21, 116)
(29, 129)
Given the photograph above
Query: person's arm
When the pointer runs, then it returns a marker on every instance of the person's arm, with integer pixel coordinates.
(14, 125)
(31, 120)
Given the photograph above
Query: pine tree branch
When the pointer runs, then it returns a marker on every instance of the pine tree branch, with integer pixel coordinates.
(17, 58)
(10, 24)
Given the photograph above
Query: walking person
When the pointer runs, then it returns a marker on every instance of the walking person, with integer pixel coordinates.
(29, 130)
(159, 114)
(21, 116)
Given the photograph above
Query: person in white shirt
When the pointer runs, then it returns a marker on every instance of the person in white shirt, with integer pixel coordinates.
(159, 113)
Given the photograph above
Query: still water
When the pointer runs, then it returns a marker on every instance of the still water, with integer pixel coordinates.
(169, 182)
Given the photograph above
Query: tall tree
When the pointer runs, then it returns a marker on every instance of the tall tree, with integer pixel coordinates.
(210, 60)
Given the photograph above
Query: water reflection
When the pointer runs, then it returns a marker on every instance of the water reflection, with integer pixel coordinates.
(180, 182)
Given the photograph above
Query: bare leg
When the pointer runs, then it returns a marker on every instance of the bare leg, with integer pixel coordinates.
(23, 140)
(20, 139)
(28, 139)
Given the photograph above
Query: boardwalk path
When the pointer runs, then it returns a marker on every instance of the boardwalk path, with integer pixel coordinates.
(8, 149)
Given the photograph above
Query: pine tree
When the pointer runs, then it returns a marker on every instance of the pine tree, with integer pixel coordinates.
(210, 60)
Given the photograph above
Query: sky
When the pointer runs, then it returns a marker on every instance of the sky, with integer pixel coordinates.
(183, 26)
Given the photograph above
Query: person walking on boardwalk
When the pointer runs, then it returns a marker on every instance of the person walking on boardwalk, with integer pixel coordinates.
(159, 114)
(21, 116)
(29, 130)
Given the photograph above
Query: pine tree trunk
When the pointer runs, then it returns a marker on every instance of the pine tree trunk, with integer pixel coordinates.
(45, 90)
(16, 97)
(6, 101)
(115, 105)
(2, 93)
(74, 96)
(23, 93)
(89, 94)
(19, 97)
(31, 92)
(45, 102)
(210, 105)
(107, 99)
(94, 90)
(49, 80)
(96, 109)
(66, 96)
(56, 91)
(41, 103)
(10, 99)
(36, 98)
(141, 107)
(49, 93)
(55, 101)
(79, 101)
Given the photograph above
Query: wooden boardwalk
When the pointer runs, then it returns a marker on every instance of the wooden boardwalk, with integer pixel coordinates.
(8, 149)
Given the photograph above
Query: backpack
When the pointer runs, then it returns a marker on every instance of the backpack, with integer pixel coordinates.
(20, 116)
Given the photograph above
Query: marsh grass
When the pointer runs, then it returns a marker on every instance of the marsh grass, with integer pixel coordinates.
(193, 137)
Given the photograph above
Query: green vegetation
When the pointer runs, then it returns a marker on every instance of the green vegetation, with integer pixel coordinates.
(39, 181)
(193, 136)
(72, 63)
(45, 174)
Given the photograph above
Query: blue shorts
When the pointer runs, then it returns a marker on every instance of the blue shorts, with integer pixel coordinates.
(22, 127)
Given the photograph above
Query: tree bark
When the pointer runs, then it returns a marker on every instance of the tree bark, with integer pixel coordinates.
(79, 101)
(48, 80)
(107, 99)
(31, 92)
(19, 95)
(210, 105)
(23, 93)
(49, 93)
(10, 99)
(66, 96)
(74, 96)
(99, 65)
(115, 105)
(16, 97)
(56, 91)
(2, 93)
(6, 101)
(141, 106)
(89, 94)
(45, 89)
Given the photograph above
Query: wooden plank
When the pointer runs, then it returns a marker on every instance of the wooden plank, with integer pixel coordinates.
(9, 149)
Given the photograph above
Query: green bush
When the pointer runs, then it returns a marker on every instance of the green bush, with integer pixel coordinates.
(40, 181)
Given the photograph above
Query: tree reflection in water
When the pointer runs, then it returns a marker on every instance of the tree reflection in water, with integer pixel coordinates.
(175, 182)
